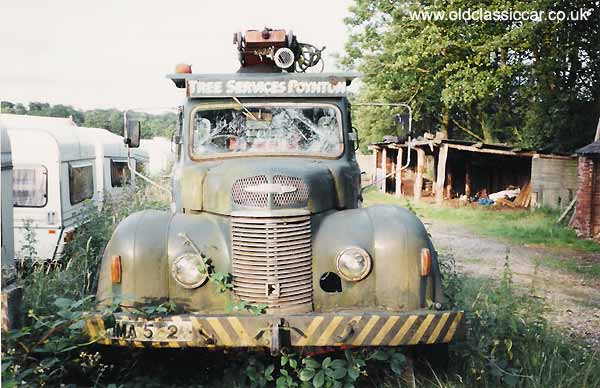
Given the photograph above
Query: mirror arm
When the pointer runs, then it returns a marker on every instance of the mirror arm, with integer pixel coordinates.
(396, 104)
(357, 140)
(133, 171)
(155, 184)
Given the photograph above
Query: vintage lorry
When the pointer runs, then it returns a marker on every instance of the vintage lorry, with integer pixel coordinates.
(266, 216)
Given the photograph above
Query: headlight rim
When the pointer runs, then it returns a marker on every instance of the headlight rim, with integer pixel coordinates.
(174, 272)
(364, 273)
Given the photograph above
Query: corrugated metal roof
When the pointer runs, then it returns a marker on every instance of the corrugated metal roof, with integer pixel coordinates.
(474, 146)
(590, 149)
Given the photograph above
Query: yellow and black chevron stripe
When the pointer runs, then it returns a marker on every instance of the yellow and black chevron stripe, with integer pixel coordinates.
(379, 330)
(343, 329)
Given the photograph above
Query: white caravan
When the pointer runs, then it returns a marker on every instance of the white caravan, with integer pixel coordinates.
(160, 153)
(53, 176)
(7, 236)
(112, 169)
(10, 291)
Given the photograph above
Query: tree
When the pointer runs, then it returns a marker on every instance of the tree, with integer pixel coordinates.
(532, 83)
(66, 111)
(110, 119)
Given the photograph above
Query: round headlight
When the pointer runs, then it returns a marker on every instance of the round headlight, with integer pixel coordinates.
(187, 270)
(353, 264)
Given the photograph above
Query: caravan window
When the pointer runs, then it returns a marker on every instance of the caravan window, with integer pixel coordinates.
(81, 183)
(30, 186)
(119, 174)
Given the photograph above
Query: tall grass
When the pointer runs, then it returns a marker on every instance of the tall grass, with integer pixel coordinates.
(508, 343)
(49, 348)
(74, 276)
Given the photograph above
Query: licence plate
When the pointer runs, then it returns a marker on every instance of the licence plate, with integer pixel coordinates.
(152, 331)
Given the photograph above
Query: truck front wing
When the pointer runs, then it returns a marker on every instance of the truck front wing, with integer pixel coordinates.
(379, 328)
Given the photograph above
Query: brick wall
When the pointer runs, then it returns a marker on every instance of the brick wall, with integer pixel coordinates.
(581, 220)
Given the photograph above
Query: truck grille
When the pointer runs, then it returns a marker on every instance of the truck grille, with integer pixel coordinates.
(242, 196)
(297, 197)
(272, 262)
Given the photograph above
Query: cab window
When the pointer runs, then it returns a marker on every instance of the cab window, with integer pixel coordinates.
(81, 183)
(30, 186)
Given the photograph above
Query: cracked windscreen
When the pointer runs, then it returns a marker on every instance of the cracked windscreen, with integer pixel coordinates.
(267, 129)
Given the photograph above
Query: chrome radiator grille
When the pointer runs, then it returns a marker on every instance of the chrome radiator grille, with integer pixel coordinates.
(272, 262)
(242, 197)
(296, 197)
(247, 191)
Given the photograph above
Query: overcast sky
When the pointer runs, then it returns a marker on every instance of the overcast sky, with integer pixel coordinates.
(105, 54)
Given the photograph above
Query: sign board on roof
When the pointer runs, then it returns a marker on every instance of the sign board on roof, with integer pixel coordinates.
(266, 85)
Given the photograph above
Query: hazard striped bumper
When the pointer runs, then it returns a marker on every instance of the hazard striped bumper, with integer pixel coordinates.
(315, 329)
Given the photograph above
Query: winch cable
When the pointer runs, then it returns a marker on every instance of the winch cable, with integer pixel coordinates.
(155, 184)
(309, 56)
(131, 169)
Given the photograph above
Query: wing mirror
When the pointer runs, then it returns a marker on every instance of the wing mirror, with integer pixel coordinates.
(133, 131)
(402, 121)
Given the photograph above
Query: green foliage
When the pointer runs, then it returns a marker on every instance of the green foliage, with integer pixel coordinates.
(46, 350)
(509, 342)
(111, 119)
(28, 251)
(532, 83)
(153, 311)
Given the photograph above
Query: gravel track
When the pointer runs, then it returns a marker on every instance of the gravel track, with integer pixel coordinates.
(573, 302)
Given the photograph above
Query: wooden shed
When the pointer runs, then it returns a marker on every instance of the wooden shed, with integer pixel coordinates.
(446, 169)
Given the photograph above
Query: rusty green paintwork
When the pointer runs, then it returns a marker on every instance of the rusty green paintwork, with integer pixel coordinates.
(149, 241)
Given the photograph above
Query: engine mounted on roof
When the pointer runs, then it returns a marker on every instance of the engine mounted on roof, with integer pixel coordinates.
(275, 50)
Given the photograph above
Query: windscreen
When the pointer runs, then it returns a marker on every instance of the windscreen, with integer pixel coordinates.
(298, 129)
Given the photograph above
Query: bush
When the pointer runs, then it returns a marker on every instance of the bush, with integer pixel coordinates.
(47, 348)
(509, 342)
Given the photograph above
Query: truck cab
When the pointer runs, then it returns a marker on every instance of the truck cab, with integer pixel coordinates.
(266, 217)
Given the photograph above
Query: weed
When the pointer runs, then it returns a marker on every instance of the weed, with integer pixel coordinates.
(509, 343)
(28, 251)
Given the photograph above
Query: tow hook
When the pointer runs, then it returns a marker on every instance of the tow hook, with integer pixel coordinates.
(208, 339)
(348, 332)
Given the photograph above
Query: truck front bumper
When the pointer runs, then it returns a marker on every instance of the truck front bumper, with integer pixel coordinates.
(378, 328)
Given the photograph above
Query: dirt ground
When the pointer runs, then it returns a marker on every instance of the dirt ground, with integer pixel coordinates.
(574, 302)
